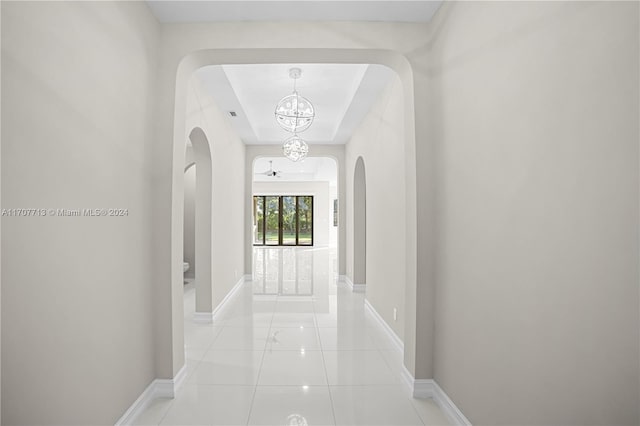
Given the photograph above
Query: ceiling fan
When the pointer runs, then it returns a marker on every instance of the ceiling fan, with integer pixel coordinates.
(271, 172)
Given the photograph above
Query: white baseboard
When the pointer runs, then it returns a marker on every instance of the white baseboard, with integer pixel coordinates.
(450, 409)
(356, 288)
(421, 388)
(167, 388)
(138, 406)
(428, 388)
(159, 388)
(203, 317)
(407, 378)
(208, 317)
(236, 287)
(399, 344)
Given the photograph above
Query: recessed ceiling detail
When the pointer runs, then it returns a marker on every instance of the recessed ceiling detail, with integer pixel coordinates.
(311, 169)
(331, 86)
(342, 95)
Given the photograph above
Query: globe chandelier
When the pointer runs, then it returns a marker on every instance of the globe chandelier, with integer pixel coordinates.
(295, 148)
(295, 113)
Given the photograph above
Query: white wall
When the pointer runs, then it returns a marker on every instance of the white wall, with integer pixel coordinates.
(228, 198)
(77, 306)
(380, 142)
(320, 192)
(534, 110)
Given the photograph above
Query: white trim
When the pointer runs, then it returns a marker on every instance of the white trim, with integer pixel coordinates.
(237, 286)
(428, 388)
(407, 378)
(138, 406)
(356, 288)
(397, 341)
(167, 388)
(450, 409)
(348, 281)
(424, 388)
(203, 317)
(180, 378)
(159, 388)
(208, 317)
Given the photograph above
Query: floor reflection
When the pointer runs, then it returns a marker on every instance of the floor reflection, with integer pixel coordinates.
(290, 271)
(293, 347)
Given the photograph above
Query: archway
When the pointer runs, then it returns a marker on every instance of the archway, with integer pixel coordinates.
(332, 152)
(359, 226)
(189, 234)
(203, 240)
(176, 69)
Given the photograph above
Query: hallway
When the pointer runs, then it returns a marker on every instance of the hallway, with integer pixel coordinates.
(291, 347)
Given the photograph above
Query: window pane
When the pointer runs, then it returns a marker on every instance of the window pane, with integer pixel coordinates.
(272, 220)
(258, 219)
(289, 220)
(305, 220)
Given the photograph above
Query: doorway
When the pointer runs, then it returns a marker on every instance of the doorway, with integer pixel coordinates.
(359, 224)
(201, 239)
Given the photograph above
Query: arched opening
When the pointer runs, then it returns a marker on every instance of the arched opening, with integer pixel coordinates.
(359, 226)
(170, 358)
(314, 183)
(202, 233)
(333, 173)
(189, 234)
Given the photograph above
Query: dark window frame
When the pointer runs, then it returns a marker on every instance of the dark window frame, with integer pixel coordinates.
(280, 223)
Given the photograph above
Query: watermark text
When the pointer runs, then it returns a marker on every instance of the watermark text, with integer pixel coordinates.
(57, 212)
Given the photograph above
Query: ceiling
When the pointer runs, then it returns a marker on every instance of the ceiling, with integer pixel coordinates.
(310, 169)
(303, 10)
(342, 94)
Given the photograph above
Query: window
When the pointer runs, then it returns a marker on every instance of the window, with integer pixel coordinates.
(285, 220)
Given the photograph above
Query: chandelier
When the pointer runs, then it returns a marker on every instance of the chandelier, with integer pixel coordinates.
(295, 113)
(295, 148)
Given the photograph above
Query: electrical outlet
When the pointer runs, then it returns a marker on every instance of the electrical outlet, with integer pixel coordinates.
(395, 314)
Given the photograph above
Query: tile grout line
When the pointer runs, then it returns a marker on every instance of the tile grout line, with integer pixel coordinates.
(197, 364)
(264, 352)
(324, 365)
(350, 303)
(167, 411)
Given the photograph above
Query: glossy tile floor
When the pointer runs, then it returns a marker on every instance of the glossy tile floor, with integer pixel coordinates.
(292, 347)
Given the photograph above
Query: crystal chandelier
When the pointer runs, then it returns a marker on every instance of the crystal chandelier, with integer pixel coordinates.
(295, 114)
(295, 148)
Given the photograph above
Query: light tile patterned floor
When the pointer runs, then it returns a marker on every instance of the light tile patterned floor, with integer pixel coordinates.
(292, 347)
